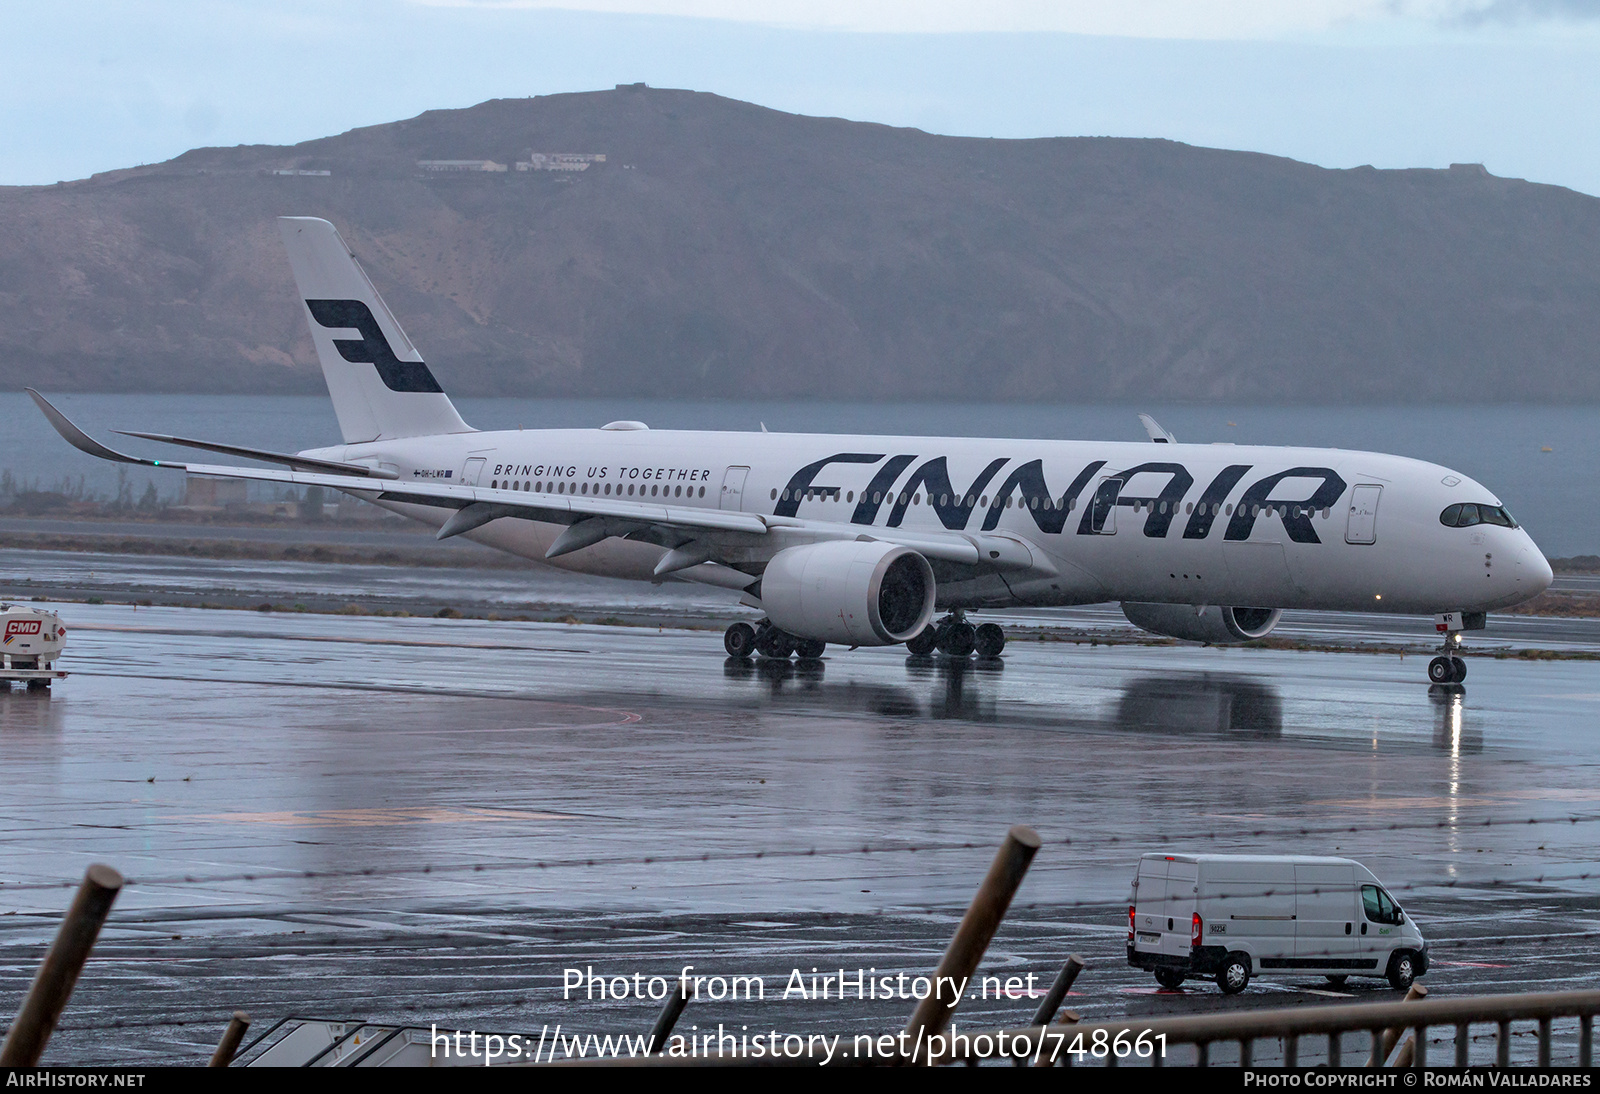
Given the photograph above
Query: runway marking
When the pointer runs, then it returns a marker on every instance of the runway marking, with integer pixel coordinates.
(1332, 994)
(1472, 965)
(367, 818)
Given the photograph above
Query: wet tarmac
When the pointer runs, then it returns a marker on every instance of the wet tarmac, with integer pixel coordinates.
(428, 820)
(537, 592)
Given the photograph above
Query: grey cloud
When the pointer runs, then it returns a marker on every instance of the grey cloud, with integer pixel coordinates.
(1481, 12)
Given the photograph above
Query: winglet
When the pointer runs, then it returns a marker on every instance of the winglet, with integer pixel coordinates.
(80, 440)
(1157, 434)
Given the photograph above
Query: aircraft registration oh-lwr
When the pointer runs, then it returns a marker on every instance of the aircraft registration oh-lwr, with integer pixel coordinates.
(861, 540)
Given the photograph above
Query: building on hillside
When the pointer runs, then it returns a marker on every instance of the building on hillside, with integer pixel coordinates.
(560, 161)
(451, 167)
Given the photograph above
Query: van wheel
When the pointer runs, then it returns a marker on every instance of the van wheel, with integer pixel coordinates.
(1234, 975)
(1169, 978)
(1337, 981)
(1402, 970)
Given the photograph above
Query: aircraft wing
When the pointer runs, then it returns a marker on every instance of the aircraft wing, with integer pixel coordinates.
(692, 535)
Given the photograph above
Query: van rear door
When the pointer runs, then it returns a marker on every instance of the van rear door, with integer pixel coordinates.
(1150, 904)
(1325, 916)
(1180, 908)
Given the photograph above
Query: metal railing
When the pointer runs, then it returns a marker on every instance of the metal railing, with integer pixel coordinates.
(1383, 1023)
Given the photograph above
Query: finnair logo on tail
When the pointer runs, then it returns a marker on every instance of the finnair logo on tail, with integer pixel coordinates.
(372, 347)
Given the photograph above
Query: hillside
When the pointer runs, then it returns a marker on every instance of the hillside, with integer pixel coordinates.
(726, 249)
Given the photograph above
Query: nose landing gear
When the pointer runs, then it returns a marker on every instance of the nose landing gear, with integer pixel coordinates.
(1448, 668)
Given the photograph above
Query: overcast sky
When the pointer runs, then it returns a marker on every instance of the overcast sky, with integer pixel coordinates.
(89, 85)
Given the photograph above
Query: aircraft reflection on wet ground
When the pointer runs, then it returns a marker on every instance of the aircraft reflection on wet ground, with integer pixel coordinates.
(1451, 732)
(1191, 704)
(946, 688)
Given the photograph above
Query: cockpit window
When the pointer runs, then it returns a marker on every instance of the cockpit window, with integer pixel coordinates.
(1466, 514)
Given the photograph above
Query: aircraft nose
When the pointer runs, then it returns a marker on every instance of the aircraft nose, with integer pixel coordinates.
(1534, 570)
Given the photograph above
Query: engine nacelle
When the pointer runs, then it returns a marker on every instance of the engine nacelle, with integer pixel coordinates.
(1210, 624)
(853, 592)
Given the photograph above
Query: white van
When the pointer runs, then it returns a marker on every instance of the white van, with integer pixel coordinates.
(1236, 916)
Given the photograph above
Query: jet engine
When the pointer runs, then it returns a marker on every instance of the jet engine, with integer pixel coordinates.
(852, 592)
(1209, 624)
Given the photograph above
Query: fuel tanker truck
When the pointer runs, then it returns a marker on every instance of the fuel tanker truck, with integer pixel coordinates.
(30, 641)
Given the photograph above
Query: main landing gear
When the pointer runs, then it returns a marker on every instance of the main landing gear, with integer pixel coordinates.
(1448, 668)
(743, 641)
(953, 636)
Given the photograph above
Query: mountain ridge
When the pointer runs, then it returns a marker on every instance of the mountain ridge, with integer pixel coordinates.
(724, 249)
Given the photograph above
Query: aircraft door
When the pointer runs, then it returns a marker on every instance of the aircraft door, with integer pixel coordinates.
(473, 468)
(1103, 506)
(1363, 526)
(732, 496)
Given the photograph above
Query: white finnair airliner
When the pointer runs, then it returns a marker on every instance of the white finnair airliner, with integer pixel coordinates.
(861, 540)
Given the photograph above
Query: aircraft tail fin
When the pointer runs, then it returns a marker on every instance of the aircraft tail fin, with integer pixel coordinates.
(380, 386)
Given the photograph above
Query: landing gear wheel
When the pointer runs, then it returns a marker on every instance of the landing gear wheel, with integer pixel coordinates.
(1458, 670)
(1234, 976)
(1337, 980)
(1441, 671)
(922, 643)
(775, 644)
(990, 640)
(1402, 970)
(959, 639)
(740, 641)
(1169, 978)
(809, 649)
